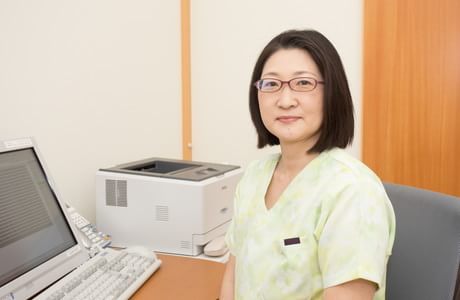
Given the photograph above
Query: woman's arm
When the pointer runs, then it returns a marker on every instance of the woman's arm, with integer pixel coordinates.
(228, 282)
(359, 289)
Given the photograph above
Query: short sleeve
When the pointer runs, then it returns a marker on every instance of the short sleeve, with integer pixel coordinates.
(356, 238)
(230, 237)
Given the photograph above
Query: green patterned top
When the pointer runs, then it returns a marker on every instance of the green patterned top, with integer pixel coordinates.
(332, 224)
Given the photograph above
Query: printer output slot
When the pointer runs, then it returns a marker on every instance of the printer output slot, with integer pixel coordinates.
(161, 167)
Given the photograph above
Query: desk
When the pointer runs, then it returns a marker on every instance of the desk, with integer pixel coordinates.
(183, 278)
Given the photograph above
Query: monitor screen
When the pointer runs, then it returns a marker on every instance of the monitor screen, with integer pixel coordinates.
(33, 228)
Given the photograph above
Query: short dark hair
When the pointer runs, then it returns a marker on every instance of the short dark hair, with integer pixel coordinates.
(337, 126)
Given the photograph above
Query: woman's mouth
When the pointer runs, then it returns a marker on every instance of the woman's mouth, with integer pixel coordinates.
(287, 119)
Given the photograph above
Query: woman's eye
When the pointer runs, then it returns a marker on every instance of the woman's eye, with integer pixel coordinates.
(304, 82)
(270, 84)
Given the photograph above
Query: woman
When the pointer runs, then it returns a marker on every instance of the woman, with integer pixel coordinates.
(311, 222)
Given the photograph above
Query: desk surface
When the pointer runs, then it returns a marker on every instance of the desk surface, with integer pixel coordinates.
(183, 278)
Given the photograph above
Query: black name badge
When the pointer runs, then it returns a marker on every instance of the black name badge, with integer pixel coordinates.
(291, 241)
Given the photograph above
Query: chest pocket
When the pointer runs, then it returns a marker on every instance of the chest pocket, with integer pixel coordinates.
(300, 261)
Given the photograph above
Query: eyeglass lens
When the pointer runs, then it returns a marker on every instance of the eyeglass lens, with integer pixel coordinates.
(301, 84)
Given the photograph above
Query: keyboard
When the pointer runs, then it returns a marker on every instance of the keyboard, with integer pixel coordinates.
(111, 274)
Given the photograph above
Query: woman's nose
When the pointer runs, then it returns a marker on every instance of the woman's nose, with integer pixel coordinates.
(286, 97)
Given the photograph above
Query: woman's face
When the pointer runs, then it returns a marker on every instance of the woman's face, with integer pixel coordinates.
(292, 116)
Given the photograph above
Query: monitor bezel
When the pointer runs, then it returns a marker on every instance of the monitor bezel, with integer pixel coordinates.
(43, 275)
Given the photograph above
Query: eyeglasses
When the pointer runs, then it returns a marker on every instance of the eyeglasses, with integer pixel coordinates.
(300, 84)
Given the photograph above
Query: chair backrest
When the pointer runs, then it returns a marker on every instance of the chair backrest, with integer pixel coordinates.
(426, 254)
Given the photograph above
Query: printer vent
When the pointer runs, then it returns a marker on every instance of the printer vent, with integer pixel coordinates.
(116, 193)
(162, 213)
(185, 244)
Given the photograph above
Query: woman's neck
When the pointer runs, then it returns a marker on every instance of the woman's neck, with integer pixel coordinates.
(294, 157)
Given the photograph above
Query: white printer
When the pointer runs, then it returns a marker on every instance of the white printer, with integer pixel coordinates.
(167, 205)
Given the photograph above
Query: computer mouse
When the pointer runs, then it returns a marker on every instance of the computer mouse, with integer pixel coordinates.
(216, 247)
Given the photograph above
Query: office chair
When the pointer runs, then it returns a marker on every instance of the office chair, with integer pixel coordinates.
(426, 254)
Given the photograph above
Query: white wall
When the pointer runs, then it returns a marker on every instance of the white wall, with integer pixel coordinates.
(97, 83)
(227, 37)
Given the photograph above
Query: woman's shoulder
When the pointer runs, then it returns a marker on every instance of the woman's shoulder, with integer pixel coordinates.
(349, 180)
(341, 164)
(263, 164)
(259, 168)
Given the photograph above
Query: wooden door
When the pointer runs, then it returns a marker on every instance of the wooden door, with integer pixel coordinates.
(411, 97)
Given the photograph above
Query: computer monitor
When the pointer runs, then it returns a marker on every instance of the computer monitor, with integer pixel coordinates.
(38, 244)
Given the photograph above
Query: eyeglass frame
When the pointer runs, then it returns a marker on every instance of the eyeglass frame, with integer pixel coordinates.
(288, 82)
